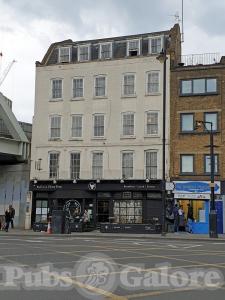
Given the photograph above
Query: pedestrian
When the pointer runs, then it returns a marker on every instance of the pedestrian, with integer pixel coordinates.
(12, 215)
(190, 218)
(176, 218)
(7, 220)
(181, 219)
(85, 216)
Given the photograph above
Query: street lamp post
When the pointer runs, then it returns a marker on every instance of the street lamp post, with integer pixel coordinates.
(163, 58)
(213, 214)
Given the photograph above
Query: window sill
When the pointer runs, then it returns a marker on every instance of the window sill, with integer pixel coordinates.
(98, 138)
(127, 137)
(100, 97)
(55, 99)
(153, 94)
(129, 96)
(77, 99)
(187, 174)
(200, 94)
(55, 139)
(76, 139)
(152, 136)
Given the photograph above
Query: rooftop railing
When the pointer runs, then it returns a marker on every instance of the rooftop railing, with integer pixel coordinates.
(200, 59)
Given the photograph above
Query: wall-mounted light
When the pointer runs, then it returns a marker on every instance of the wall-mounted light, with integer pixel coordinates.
(121, 181)
(74, 181)
(54, 181)
(98, 180)
(35, 181)
(147, 180)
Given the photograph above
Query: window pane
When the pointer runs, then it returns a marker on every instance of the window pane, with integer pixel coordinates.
(55, 126)
(128, 124)
(187, 164)
(127, 165)
(64, 54)
(106, 51)
(99, 125)
(100, 86)
(211, 85)
(153, 82)
(208, 163)
(128, 88)
(156, 45)
(75, 165)
(53, 165)
(127, 211)
(187, 122)
(151, 164)
(77, 126)
(211, 117)
(56, 88)
(199, 86)
(152, 123)
(186, 87)
(78, 90)
(97, 165)
(83, 53)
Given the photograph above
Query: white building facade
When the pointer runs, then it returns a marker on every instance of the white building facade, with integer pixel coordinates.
(98, 120)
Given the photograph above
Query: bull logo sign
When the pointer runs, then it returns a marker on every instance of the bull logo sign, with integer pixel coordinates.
(92, 186)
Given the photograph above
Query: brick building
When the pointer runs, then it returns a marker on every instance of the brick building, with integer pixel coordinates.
(197, 94)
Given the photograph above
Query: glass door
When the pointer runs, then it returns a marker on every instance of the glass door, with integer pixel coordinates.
(102, 211)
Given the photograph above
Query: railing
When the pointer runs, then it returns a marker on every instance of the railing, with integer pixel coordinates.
(200, 59)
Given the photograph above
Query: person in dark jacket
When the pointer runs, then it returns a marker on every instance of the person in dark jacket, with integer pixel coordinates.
(176, 218)
(12, 215)
(7, 220)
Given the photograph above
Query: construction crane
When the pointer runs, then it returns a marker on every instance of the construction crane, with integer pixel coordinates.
(6, 71)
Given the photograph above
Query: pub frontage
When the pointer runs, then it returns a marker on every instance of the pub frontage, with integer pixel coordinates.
(128, 203)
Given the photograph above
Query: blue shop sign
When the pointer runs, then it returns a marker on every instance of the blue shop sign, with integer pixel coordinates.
(200, 187)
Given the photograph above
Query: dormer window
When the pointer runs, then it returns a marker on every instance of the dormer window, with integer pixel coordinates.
(64, 54)
(84, 52)
(133, 48)
(106, 51)
(155, 45)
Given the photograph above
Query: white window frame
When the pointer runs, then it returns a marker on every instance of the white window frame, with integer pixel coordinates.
(128, 95)
(84, 46)
(60, 59)
(50, 127)
(57, 172)
(77, 137)
(146, 123)
(133, 169)
(95, 78)
(139, 46)
(122, 124)
(92, 165)
(75, 177)
(110, 50)
(51, 90)
(78, 97)
(147, 82)
(93, 135)
(157, 163)
(150, 44)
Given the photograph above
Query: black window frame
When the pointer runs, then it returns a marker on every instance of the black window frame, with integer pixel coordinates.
(187, 131)
(187, 173)
(204, 162)
(192, 85)
(217, 120)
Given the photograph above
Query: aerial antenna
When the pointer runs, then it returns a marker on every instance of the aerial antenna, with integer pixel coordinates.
(182, 21)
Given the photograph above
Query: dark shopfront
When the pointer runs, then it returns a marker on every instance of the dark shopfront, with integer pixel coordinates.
(107, 201)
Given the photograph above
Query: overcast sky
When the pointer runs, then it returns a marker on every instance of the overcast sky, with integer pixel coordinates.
(27, 28)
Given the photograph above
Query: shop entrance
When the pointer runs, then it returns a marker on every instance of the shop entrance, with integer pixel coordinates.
(102, 211)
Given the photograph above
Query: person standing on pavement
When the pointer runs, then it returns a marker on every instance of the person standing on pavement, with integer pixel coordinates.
(12, 215)
(176, 218)
(7, 220)
(190, 218)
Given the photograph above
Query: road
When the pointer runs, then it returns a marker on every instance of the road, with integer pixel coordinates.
(62, 267)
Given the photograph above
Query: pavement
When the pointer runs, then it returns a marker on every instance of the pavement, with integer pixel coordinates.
(55, 267)
(97, 233)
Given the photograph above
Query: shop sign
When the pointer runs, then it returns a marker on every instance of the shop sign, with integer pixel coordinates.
(192, 196)
(47, 186)
(199, 187)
